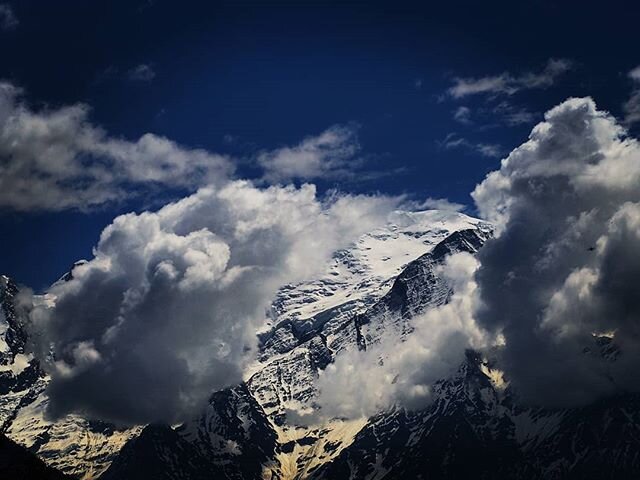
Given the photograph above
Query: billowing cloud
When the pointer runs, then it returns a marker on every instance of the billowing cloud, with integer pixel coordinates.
(331, 154)
(55, 159)
(509, 84)
(559, 280)
(402, 370)
(8, 19)
(166, 311)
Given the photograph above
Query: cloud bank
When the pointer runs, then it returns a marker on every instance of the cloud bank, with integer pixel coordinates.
(558, 280)
(166, 311)
(55, 159)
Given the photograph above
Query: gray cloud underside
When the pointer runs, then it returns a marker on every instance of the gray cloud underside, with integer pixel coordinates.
(558, 279)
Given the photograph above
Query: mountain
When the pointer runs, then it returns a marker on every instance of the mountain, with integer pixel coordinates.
(475, 429)
(78, 447)
(369, 291)
(17, 463)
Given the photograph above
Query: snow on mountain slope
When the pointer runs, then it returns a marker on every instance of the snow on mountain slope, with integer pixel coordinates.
(354, 280)
(358, 275)
(473, 428)
(253, 425)
(349, 305)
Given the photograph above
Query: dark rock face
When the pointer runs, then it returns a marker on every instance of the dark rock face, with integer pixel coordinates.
(19, 372)
(159, 453)
(17, 463)
(474, 430)
(13, 341)
(232, 439)
(234, 433)
(15, 336)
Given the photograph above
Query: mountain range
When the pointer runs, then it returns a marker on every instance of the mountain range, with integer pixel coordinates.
(370, 291)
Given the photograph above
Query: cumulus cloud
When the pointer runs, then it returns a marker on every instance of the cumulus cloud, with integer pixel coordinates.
(141, 73)
(8, 19)
(557, 281)
(166, 311)
(508, 84)
(332, 154)
(632, 105)
(55, 159)
(402, 370)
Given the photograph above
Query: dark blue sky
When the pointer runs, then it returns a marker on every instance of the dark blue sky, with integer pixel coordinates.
(239, 77)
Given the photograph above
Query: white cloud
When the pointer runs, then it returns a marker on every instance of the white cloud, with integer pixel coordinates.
(564, 265)
(142, 73)
(166, 311)
(8, 19)
(332, 154)
(55, 159)
(509, 84)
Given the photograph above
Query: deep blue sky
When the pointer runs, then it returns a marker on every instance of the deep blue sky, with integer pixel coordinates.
(268, 74)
